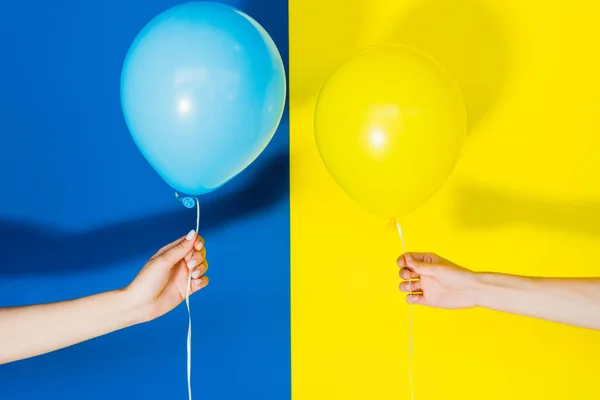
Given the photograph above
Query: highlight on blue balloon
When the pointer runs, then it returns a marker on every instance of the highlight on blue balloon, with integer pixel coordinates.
(203, 90)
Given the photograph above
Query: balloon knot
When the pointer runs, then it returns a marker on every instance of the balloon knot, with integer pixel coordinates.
(188, 202)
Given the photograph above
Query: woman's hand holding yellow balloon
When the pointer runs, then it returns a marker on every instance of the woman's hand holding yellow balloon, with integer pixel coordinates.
(389, 126)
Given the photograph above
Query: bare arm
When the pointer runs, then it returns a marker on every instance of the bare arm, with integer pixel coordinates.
(440, 283)
(159, 287)
(566, 300)
(32, 330)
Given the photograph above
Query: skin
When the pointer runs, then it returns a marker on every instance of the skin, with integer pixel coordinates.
(158, 288)
(437, 282)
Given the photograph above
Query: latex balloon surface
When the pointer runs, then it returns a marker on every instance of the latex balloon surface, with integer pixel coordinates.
(389, 125)
(203, 91)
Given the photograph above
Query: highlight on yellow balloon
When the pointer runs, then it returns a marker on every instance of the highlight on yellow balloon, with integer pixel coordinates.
(389, 125)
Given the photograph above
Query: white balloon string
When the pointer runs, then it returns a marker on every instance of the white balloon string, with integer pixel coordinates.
(410, 321)
(187, 303)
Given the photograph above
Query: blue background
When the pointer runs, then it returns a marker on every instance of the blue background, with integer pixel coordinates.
(81, 211)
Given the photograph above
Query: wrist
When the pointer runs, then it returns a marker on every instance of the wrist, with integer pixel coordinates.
(486, 289)
(497, 291)
(131, 310)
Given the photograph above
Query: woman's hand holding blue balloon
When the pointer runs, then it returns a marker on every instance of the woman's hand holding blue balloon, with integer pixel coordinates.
(203, 91)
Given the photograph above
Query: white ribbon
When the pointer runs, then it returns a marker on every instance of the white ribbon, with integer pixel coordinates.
(187, 303)
(410, 322)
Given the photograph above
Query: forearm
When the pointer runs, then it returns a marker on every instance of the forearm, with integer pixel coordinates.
(33, 330)
(565, 300)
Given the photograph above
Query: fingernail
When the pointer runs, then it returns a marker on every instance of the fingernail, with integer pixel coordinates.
(192, 264)
(199, 245)
(190, 235)
(196, 274)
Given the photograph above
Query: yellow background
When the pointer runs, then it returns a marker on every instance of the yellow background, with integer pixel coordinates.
(525, 198)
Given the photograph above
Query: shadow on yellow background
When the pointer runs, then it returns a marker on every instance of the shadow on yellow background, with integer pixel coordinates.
(326, 51)
(468, 40)
(481, 208)
(465, 37)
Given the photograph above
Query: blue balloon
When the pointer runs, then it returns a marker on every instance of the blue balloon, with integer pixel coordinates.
(203, 90)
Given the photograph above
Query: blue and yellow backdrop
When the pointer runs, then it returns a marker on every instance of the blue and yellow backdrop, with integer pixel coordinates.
(303, 301)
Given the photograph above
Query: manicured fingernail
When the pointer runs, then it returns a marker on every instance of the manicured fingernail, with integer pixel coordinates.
(199, 245)
(192, 264)
(190, 235)
(196, 274)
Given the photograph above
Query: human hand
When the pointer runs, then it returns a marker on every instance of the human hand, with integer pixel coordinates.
(163, 282)
(434, 281)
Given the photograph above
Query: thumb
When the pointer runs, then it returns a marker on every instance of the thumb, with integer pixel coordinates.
(178, 251)
(417, 266)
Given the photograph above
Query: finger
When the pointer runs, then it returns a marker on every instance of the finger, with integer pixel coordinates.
(198, 246)
(168, 247)
(407, 274)
(428, 258)
(179, 251)
(419, 257)
(411, 286)
(199, 271)
(199, 283)
(415, 298)
(195, 259)
(419, 266)
(199, 243)
(401, 261)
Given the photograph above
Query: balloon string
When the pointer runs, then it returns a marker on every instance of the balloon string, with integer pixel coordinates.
(410, 321)
(187, 303)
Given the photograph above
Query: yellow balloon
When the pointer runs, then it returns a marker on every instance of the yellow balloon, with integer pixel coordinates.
(389, 125)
